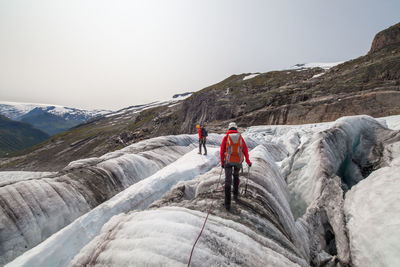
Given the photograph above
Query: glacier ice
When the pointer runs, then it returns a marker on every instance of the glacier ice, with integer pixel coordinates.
(131, 242)
(309, 201)
(227, 240)
(9, 177)
(346, 149)
(59, 249)
(33, 209)
(321, 172)
(372, 210)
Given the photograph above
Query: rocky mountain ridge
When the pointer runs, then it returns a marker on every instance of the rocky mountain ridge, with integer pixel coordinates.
(385, 38)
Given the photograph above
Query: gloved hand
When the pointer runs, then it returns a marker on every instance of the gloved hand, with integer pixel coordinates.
(249, 165)
(222, 166)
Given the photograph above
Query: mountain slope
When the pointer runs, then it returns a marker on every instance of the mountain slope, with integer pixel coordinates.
(16, 136)
(93, 138)
(368, 85)
(48, 122)
(389, 37)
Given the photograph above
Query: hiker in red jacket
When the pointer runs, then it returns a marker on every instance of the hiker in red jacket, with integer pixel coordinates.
(202, 138)
(233, 147)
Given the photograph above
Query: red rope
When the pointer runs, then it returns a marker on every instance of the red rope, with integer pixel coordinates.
(204, 224)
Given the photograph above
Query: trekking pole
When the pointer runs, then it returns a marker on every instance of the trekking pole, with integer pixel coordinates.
(248, 175)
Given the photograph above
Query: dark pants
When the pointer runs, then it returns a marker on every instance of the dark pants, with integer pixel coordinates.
(228, 182)
(202, 141)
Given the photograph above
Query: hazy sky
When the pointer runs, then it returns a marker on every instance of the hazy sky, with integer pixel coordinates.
(113, 54)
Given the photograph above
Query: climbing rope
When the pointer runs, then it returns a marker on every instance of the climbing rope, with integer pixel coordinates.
(204, 224)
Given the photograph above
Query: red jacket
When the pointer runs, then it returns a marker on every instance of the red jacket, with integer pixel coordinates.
(223, 148)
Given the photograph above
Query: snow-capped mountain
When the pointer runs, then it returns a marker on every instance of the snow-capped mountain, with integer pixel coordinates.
(16, 110)
(145, 204)
(51, 119)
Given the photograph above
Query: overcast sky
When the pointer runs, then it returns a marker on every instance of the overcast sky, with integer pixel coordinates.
(112, 54)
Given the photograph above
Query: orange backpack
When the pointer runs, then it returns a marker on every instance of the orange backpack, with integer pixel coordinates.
(234, 149)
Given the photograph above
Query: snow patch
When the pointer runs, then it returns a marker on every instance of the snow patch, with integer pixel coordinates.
(317, 75)
(324, 66)
(251, 76)
(391, 122)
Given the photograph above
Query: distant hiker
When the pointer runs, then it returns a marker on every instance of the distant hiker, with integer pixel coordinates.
(202, 138)
(233, 147)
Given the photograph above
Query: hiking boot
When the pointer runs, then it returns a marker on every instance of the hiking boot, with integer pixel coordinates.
(199, 152)
(205, 154)
(236, 198)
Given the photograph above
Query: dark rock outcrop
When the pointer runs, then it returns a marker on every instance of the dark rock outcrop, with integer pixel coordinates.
(385, 38)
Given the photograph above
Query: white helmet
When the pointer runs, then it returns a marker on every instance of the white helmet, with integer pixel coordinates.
(232, 125)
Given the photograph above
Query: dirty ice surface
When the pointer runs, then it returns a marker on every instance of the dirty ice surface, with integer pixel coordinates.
(123, 231)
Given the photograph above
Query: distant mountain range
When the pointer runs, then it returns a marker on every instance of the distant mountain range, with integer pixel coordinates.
(51, 119)
(24, 124)
(16, 135)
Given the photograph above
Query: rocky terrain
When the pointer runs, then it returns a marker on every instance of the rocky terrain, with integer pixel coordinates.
(367, 85)
(388, 37)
